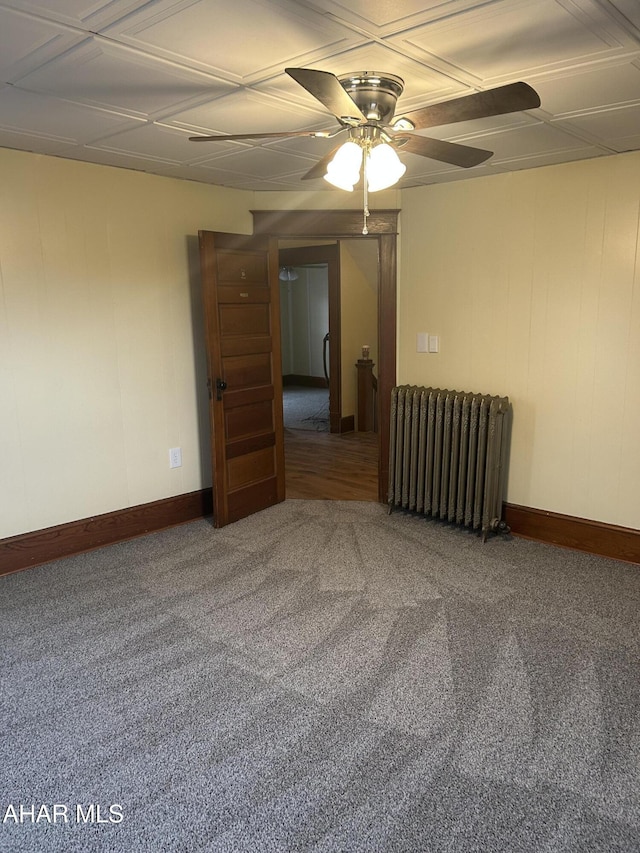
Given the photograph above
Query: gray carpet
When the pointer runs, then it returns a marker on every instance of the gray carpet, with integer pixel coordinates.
(322, 677)
(306, 408)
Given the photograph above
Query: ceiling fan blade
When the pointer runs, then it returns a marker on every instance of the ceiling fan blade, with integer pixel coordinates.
(505, 99)
(320, 169)
(446, 152)
(320, 134)
(328, 90)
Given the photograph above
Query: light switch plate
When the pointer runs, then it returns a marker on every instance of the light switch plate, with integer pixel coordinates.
(422, 342)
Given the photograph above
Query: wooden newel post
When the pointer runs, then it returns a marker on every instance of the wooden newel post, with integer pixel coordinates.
(365, 395)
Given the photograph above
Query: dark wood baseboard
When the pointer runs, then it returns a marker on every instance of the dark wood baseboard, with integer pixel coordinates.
(64, 540)
(348, 424)
(595, 537)
(338, 424)
(305, 381)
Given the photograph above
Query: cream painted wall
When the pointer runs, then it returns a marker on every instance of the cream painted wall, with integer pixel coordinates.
(358, 312)
(285, 327)
(330, 199)
(532, 281)
(318, 290)
(102, 364)
(304, 321)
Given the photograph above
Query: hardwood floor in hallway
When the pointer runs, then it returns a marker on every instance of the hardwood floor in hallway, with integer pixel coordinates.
(321, 465)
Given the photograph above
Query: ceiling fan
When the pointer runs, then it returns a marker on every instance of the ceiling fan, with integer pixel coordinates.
(364, 105)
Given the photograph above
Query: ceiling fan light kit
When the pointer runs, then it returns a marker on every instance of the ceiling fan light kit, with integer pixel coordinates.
(364, 104)
(344, 170)
(383, 168)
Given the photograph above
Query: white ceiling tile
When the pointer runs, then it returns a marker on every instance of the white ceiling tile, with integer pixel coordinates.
(209, 174)
(420, 166)
(110, 158)
(451, 177)
(629, 8)
(441, 173)
(241, 39)
(315, 149)
(589, 88)
(262, 163)
(616, 127)
(108, 75)
(507, 39)
(248, 112)
(421, 84)
(524, 141)
(480, 126)
(26, 42)
(212, 173)
(625, 143)
(167, 143)
(125, 82)
(534, 161)
(37, 143)
(77, 12)
(386, 14)
(194, 173)
(276, 186)
(28, 112)
(288, 183)
(381, 13)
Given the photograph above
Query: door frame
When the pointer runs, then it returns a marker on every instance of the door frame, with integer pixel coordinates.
(383, 227)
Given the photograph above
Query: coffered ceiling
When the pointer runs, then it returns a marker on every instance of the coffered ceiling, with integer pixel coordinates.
(126, 82)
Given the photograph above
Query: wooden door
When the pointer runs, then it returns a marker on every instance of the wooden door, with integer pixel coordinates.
(242, 319)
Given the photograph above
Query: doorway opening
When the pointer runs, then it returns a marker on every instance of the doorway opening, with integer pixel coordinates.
(331, 225)
(328, 310)
(315, 306)
(242, 324)
(304, 334)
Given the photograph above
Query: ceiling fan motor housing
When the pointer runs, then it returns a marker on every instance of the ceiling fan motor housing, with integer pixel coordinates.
(375, 94)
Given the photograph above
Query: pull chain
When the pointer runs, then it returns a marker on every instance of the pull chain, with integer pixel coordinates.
(365, 180)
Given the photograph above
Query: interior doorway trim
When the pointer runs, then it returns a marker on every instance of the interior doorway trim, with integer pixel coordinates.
(383, 227)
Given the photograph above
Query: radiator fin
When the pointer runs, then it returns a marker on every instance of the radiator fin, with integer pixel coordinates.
(447, 455)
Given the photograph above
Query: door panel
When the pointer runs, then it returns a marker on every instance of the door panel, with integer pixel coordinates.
(244, 346)
(239, 292)
(242, 319)
(249, 445)
(235, 266)
(253, 498)
(248, 371)
(250, 467)
(249, 420)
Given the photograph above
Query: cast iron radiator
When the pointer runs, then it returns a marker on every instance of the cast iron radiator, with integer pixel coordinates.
(448, 455)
